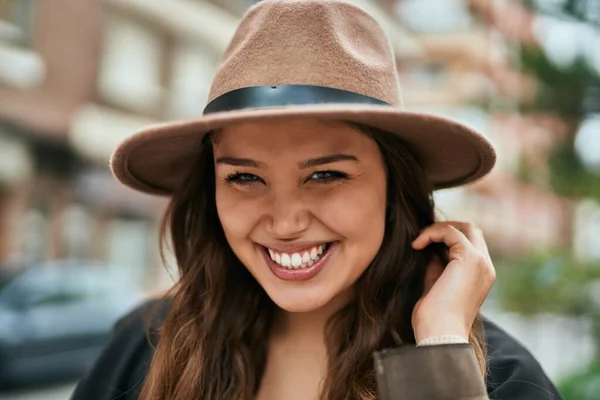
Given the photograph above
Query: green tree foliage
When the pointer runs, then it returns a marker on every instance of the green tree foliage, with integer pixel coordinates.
(587, 11)
(584, 385)
(569, 177)
(571, 92)
(558, 282)
(562, 90)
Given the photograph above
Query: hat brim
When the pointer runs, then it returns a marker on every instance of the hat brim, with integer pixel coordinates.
(158, 159)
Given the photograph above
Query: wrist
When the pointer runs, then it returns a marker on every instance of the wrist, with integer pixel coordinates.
(424, 330)
(444, 339)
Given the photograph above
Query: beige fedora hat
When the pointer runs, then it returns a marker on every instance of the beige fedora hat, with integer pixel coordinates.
(323, 59)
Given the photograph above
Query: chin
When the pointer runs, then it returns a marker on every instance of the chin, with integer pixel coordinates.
(298, 302)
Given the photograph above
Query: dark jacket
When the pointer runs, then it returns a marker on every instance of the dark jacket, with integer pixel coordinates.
(446, 372)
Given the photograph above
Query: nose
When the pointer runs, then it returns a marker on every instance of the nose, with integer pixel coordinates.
(287, 216)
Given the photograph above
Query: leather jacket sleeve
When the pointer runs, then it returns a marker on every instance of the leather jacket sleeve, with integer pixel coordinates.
(451, 372)
(437, 372)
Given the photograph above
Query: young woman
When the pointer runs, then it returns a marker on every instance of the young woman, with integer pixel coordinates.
(302, 221)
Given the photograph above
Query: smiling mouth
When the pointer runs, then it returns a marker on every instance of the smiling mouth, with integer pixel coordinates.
(300, 260)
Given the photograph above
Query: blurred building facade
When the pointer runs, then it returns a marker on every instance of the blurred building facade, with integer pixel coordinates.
(57, 200)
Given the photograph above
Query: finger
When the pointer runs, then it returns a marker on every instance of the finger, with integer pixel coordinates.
(440, 233)
(473, 233)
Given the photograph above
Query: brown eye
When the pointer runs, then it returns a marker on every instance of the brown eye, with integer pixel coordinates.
(328, 176)
(242, 178)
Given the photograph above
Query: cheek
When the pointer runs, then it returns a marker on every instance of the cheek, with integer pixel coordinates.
(238, 215)
(358, 214)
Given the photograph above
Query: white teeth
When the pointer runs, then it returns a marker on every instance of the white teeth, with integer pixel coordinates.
(305, 257)
(296, 260)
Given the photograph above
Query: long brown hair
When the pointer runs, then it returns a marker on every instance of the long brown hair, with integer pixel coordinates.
(213, 344)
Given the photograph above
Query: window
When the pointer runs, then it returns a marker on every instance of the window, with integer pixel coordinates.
(16, 21)
(192, 71)
(130, 74)
(434, 15)
(16, 163)
(19, 66)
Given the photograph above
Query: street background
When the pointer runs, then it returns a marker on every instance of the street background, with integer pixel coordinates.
(78, 76)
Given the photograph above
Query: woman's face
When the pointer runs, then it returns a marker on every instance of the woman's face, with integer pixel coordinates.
(302, 204)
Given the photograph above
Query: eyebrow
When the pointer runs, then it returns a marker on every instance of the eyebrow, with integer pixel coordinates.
(313, 162)
(326, 160)
(237, 162)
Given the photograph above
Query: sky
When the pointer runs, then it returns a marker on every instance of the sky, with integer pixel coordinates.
(587, 143)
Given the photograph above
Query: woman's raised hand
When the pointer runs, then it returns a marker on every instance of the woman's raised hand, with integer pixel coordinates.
(453, 294)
